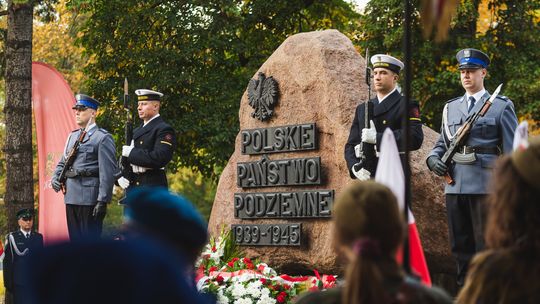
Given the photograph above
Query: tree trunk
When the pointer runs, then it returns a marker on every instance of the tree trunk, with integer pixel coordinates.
(18, 110)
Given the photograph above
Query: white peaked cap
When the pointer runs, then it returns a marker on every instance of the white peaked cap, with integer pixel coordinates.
(388, 62)
(143, 92)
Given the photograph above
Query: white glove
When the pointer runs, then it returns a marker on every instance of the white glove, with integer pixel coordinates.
(127, 149)
(370, 135)
(123, 182)
(361, 174)
(357, 150)
(138, 169)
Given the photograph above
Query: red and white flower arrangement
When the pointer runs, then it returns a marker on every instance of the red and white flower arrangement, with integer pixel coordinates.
(223, 271)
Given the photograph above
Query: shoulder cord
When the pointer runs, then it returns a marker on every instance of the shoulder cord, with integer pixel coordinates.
(445, 123)
(14, 246)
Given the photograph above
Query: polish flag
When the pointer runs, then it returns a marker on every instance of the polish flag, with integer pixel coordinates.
(390, 173)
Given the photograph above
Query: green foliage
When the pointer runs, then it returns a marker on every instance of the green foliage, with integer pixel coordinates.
(195, 187)
(200, 54)
(512, 45)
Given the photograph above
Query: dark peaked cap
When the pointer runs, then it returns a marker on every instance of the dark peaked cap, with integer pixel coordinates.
(85, 101)
(26, 212)
(168, 215)
(472, 59)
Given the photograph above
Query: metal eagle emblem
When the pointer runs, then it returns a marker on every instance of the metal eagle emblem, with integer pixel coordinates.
(263, 96)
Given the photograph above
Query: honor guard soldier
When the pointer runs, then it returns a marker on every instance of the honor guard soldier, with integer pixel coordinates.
(152, 146)
(471, 167)
(86, 172)
(19, 246)
(387, 113)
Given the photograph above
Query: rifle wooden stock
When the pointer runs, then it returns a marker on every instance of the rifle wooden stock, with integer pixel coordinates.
(70, 158)
(460, 138)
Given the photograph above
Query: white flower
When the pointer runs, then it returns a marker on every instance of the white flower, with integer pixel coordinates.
(254, 289)
(266, 299)
(255, 284)
(243, 301)
(221, 298)
(238, 291)
(265, 292)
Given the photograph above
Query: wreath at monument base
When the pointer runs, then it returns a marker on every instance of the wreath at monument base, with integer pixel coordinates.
(223, 271)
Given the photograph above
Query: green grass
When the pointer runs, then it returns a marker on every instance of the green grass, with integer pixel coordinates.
(114, 219)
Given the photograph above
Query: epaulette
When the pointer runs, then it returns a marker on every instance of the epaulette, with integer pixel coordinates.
(503, 97)
(103, 131)
(454, 99)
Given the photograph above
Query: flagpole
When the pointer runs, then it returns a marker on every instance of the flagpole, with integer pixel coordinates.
(405, 123)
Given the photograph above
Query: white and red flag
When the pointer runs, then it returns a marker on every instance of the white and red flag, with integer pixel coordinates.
(390, 173)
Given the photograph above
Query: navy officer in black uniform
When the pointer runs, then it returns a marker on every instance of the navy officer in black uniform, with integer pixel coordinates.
(19, 246)
(152, 146)
(387, 113)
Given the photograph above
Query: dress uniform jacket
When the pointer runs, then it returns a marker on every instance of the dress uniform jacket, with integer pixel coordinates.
(495, 129)
(16, 257)
(154, 145)
(388, 114)
(95, 168)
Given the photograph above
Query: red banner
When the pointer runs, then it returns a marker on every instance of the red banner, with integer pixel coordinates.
(52, 100)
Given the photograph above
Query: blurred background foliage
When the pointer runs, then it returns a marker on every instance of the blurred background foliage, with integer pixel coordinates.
(202, 53)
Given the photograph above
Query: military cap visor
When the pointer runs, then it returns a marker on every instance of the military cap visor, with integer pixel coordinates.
(25, 213)
(144, 94)
(472, 59)
(84, 102)
(388, 62)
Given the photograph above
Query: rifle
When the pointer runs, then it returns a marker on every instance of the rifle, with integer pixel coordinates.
(463, 132)
(368, 158)
(125, 166)
(70, 158)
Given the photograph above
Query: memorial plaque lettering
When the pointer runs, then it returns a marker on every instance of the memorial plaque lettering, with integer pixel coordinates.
(279, 139)
(268, 234)
(299, 204)
(281, 172)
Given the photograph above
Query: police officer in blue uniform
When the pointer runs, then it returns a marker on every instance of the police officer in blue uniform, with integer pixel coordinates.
(387, 113)
(90, 179)
(19, 246)
(153, 144)
(471, 168)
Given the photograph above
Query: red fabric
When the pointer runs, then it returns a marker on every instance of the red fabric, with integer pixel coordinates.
(416, 255)
(52, 100)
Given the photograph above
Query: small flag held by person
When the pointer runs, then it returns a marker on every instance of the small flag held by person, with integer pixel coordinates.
(390, 173)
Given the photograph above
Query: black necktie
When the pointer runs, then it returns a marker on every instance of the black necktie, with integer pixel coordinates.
(471, 103)
(28, 235)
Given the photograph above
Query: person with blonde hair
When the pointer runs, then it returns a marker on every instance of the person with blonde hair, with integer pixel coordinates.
(509, 271)
(368, 230)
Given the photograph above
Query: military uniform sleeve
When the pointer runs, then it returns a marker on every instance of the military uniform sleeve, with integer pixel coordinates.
(354, 139)
(107, 168)
(508, 124)
(161, 153)
(7, 265)
(416, 134)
